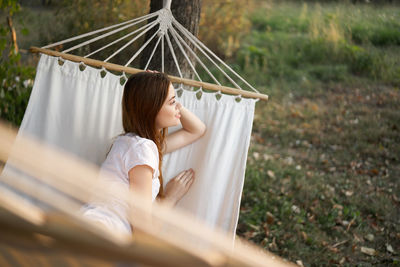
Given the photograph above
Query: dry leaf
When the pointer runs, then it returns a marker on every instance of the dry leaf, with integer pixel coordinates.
(273, 245)
(368, 251)
(270, 218)
(267, 157)
(374, 171)
(295, 209)
(304, 235)
(271, 174)
(389, 248)
(256, 155)
(314, 107)
(334, 250)
(370, 237)
(357, 239)
(348, 193)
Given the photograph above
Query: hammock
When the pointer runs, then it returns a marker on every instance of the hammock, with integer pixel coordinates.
(76, 107)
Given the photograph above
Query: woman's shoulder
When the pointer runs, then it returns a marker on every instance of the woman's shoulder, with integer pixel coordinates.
(131, 140)
(135, 139)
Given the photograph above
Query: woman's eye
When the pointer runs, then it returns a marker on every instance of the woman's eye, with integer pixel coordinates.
(173, 102)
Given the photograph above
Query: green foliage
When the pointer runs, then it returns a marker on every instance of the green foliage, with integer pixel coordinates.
(376, 35)
(301, 44)
(11, 6)
(16, 79)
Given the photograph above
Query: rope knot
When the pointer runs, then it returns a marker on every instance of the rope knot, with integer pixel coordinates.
(165, 17)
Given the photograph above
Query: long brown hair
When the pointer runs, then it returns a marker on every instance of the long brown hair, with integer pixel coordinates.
(144, 95)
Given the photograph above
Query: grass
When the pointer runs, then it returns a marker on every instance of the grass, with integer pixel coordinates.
(296, 43)
(322, 174)
(326, 169)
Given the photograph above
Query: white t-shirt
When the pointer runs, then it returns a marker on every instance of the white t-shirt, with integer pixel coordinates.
(127, 151)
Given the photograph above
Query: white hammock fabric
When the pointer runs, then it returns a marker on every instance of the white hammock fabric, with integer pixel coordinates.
(80, 112)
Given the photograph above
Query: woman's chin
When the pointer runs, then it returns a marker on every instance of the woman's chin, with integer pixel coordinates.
(175, 123)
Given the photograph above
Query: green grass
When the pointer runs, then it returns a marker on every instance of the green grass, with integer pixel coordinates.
(296, 43)
(325, 152)
(319, 165)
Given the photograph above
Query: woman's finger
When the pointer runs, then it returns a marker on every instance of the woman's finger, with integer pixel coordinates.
(189, 182)
(189, 177)
(180, 175)
(189, 173)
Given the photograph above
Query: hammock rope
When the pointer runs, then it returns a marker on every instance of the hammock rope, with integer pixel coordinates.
(171, 32)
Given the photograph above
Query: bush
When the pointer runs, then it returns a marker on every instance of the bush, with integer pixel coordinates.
(16, 80)
(377, 36)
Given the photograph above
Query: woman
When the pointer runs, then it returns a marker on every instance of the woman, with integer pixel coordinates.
(149, 107)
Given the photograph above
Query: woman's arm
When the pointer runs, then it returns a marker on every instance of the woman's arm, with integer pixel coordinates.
(192, 129)
(140, 183)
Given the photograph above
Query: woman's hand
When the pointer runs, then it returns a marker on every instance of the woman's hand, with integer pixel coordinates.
(178, 186)
(192, 129)
(178, 106)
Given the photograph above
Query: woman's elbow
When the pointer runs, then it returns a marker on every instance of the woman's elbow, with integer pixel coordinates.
(203, 130)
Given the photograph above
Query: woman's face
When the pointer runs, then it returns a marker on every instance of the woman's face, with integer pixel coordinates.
(169, 114)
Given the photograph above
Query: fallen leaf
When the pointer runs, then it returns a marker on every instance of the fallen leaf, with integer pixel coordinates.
(358, 239)
(267, 157)
(389, 248)
(304, 235)
(264, 242)
(314, 107)
(370, 237)
(255, 227)
(256, 155)
(350, 224)
(296, 113)
(334, 250)
(270, 218)
(271, 174)
(273, 245)
(250, 234)
(337, 206)
(348, 193)
(368, 251)
(345, 223)
(295, 209)
(259, 139)
(374, 172)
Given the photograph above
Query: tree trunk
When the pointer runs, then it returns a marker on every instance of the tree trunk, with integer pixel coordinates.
(187, 13)
(13, 34)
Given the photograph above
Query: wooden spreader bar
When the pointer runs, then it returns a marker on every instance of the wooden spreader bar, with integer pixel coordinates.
(174, 79)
